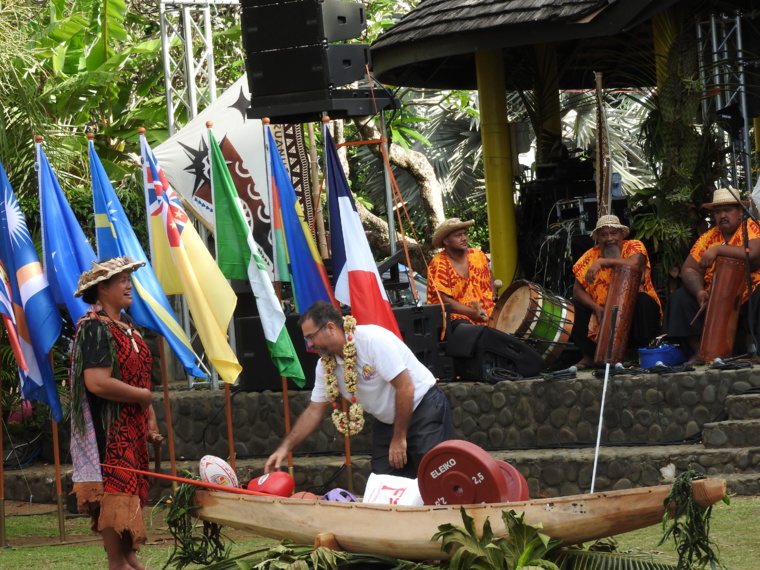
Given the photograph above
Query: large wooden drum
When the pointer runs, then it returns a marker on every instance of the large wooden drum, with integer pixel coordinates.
(624, 285)
(532, 313)
(719, 332)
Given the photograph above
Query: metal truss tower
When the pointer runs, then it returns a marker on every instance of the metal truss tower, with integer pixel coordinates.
(190, 82)
(723, 72)
(188, 54)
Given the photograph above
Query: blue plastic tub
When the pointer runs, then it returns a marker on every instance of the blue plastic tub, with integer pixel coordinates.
(668, 354)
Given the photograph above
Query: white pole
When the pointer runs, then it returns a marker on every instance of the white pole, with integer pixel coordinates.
(604, 395)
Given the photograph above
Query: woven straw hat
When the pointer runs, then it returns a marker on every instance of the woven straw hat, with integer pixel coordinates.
(609, 221)
(724, 197)
(104, 270)
(447, 227)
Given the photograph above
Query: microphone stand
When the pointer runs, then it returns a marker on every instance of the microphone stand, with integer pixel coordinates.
(746, 216)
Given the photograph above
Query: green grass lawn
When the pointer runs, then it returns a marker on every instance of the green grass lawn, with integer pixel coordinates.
(734, 530)
(33, 540)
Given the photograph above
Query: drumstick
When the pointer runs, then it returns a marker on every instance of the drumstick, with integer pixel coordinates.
(699, 312)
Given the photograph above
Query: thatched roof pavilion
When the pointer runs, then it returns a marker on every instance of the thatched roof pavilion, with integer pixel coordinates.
(434, 44)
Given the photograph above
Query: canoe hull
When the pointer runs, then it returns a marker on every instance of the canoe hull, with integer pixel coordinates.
(405, 532)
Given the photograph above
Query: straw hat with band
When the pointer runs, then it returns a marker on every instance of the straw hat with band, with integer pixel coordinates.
(448, 226)
(724, 197)
(102, 271)
(609, 221)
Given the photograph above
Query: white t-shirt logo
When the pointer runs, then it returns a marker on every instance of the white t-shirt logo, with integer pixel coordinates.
(368, 373)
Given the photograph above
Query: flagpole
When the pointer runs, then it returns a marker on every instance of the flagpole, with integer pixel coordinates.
(2, 470)
(167, 408)
(346, 439)
(319, 224)
(347, 451)
(57, 461)
(230, 440)
(278, 290)
(58, 487)
(227, 396)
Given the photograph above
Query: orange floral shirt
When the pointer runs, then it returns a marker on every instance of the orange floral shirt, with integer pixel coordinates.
(714, 236)
(477, 287)
(599, 288)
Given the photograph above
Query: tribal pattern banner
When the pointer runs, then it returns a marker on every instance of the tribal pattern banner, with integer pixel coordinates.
(290, 143)
(184, 158)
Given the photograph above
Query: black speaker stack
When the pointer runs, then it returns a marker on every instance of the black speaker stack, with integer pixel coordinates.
(421, 331)
(296, 63)
(259, 372)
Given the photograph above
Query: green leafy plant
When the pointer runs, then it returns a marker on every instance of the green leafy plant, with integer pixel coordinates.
(524, 546)
(690, 525)
(195, 542)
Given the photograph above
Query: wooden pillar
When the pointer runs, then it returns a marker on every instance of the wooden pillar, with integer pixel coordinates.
(497, 160)
(547, 97)
(663, 34)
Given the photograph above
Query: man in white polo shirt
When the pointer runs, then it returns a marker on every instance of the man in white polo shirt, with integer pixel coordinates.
(412, 415)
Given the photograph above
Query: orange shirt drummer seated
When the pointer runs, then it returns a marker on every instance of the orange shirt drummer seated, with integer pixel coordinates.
(686, 307)
(593, 272)
(461, 275)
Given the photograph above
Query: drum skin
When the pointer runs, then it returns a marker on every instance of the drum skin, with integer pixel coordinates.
(529, 312)
(624, 285)
(719, 332)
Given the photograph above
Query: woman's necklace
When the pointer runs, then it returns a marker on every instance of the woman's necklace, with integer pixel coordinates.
(128, 330)
(353, 422)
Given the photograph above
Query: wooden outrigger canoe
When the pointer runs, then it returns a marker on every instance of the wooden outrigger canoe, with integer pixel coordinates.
(405, 532)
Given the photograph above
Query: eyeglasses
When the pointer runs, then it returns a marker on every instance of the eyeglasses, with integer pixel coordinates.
(310, 337)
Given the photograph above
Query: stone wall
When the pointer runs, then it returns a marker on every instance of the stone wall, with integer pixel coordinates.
(547, 430)
(643, 409)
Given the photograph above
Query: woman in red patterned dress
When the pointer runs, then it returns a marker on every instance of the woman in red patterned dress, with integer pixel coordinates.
(112, 413)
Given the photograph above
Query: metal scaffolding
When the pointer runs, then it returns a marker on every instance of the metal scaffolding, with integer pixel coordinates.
(188, 55)
(723, 73)
(190, 82)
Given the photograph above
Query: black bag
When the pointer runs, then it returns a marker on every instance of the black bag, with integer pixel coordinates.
(478, 349)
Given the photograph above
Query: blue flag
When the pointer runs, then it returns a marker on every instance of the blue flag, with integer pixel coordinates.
(150, 307)
(37, 317)
(308, 273)
(66, 251)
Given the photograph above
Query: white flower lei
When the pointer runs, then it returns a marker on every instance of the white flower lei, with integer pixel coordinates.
(353, 422)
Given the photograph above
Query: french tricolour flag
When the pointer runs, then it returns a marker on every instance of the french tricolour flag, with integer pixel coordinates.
(355, 278)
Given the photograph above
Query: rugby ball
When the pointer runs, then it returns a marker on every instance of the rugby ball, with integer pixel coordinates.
(217, 471)
(278, 483)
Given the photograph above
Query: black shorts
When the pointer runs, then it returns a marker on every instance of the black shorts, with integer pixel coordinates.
(431, 424)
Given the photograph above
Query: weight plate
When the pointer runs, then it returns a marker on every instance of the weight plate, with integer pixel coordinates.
(517, 486)
(458, 472)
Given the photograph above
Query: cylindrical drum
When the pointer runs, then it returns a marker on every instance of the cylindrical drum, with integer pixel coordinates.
(728, 286)
(624, 285)
(532, 313)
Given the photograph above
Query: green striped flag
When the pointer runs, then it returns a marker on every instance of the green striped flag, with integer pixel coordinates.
(239, 257)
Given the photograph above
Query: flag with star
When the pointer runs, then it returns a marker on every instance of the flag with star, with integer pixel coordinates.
(38, 320)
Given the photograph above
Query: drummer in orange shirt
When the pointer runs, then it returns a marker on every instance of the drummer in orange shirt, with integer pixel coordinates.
(684, 312)
(592, 282)
(460, 274)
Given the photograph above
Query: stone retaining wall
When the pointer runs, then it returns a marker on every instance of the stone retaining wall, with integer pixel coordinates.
(643, 409)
